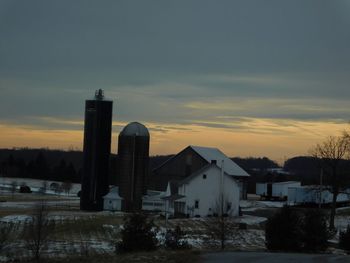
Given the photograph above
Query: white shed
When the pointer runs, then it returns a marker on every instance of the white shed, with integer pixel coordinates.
(312, 194)
(280, 189)
(275, 190)
(202, 191)
(112, 201)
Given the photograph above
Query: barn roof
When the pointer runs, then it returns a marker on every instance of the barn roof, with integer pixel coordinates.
(210, 154)
(200, 171)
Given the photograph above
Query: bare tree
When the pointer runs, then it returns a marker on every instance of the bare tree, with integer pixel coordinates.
(37, 231)
(6, 231)
(221, 226)
(43, 187)
(66, 187)
(331, 152)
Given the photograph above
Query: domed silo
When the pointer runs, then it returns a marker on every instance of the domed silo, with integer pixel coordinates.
(133, 160)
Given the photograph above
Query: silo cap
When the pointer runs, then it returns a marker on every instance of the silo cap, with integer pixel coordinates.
(135, 129)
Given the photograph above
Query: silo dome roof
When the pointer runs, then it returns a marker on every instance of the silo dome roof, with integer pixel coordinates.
(135, 129)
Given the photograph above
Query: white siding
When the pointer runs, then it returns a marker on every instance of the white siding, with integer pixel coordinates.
(207, 193)
(281, 189)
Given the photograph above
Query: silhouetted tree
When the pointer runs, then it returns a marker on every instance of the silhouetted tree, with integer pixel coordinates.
(221, 226)
(315, 230)
(344, 239)
(6, 232)
(283, 231)
(37, 231)
(331, 152)
(138, 234)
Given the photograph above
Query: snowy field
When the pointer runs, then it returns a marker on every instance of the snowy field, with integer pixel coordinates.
(79, 232)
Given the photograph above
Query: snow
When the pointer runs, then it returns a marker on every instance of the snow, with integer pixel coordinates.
(252, 205)
(250, 220)
(15, 219)
(35, 185)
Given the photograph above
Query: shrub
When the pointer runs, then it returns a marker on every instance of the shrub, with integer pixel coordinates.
(344, 239)
(315, 230)
(174, 239)
(283, 231)
(137, 234)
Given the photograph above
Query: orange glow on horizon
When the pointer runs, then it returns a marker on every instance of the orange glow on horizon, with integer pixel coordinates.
(276, 139)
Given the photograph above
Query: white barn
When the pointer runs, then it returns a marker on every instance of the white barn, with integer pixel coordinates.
(202, 193)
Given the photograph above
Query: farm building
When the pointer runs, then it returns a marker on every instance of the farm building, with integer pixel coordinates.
(191, 160)
(278, 190)
(203, 190)
(313, 194)
(161, 201)
(112, 201)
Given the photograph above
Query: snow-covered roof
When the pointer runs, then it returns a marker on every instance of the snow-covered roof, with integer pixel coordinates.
(210, 154)
(134, 129)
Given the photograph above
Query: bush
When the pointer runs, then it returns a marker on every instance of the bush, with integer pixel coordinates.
(283, 231)
(344, 239)
(289, 230)
(315, 230)
(137, 234)
(174, 239)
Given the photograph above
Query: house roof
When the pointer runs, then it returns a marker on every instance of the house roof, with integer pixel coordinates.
(113, 194)
(209, 154)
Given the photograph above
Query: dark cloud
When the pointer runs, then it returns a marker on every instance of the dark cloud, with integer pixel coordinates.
(154, 58)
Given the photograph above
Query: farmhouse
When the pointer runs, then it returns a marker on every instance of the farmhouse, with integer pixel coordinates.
(203, 191)
(203, 175)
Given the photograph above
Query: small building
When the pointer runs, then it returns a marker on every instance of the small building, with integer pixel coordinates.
(205, 191)
(163, 202)
(112, 201)
(314, 194)
(278, 190)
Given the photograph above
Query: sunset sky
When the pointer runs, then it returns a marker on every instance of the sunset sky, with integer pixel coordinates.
(253, 78)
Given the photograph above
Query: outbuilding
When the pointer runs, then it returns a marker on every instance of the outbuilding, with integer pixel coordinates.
(112, 201)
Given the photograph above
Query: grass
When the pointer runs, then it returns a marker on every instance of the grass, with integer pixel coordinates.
(86, 226)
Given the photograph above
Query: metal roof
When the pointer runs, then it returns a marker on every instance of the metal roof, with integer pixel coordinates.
(210, 154)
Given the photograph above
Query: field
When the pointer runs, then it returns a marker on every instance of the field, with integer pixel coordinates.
(78, 234)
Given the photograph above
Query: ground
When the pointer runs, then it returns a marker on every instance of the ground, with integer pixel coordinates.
(79, 233)
(262, 257)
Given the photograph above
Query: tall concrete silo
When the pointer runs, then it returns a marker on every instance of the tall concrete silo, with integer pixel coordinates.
(133, 161)
(97, 148)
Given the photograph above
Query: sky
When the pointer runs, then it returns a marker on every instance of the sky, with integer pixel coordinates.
(253, 78)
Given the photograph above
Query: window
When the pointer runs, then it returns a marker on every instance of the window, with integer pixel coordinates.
(196, 204)
(204, 176)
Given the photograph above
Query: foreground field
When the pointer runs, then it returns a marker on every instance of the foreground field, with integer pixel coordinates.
(80, 236)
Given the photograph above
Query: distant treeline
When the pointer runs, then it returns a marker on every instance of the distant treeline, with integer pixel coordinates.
(63, 166)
